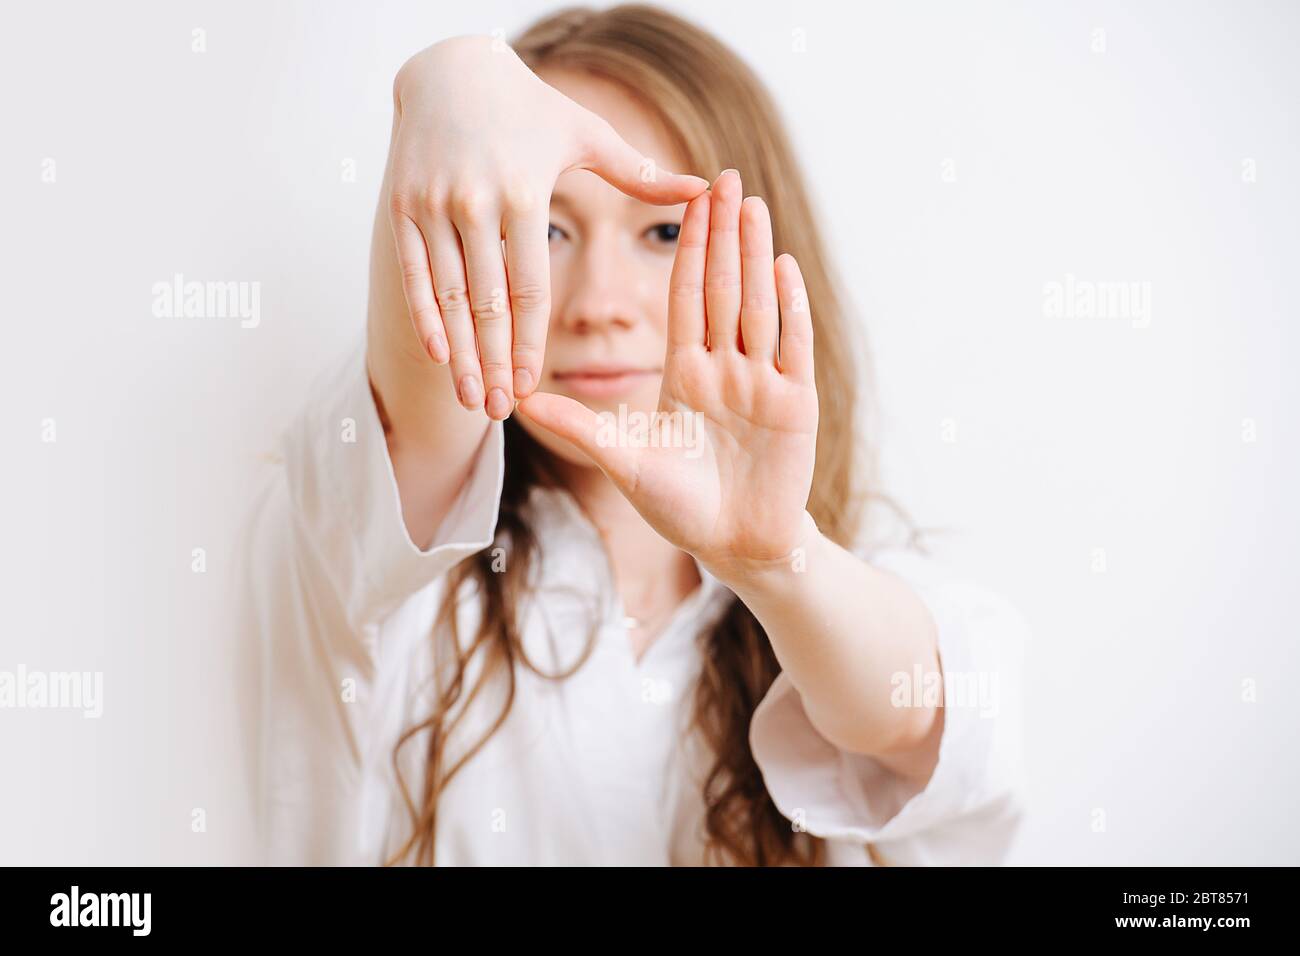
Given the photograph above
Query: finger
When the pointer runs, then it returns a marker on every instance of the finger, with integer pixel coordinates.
(610, 157)
(489, 304)
(528, 271)
(453, 302)
(581, 427)
(759, 316)
(417, 283)
(686, 323)
(722, 266)
(796, 359)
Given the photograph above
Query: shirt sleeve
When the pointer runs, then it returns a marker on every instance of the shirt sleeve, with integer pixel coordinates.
(970, 810)
(329, 568)
(345, 498)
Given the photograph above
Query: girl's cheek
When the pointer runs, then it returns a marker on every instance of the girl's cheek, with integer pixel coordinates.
(652, 293)
(559, 286)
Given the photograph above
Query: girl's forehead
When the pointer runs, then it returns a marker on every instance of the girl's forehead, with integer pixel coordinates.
(582, 194)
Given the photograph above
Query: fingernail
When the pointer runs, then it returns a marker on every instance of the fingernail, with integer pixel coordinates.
(437, 348)
(498, 405)
(471, 395)
(523, 379)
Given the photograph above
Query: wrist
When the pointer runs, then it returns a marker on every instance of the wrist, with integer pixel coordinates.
(444, 58)
(748, 573)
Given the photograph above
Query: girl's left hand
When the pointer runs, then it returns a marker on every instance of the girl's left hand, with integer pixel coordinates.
(729, 476)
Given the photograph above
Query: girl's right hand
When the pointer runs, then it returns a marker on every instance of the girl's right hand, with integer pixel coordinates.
(479, 141)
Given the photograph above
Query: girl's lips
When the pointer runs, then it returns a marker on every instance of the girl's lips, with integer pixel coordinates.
(602, 382)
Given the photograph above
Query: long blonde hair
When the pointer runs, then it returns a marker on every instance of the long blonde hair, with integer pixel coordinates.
(721, 117)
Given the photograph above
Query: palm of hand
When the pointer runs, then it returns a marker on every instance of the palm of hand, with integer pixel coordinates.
(725, 468)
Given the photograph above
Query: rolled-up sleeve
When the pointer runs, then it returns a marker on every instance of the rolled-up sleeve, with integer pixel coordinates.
(345, 498)
(329, 565)
(969, 811)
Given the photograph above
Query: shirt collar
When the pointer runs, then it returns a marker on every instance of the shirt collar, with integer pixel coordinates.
(560, 524)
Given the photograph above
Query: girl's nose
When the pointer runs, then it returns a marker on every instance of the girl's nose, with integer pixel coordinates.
(602, 292)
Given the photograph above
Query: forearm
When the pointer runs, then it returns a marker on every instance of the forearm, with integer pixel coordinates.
(841, 630)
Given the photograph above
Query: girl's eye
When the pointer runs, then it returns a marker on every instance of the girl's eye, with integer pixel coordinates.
(554, 232)
(665, 232)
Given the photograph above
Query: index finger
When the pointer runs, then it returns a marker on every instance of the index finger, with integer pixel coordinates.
(612, 159)
(686, 323)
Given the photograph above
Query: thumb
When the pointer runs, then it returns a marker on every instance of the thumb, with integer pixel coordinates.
(611, 158)
(585, 430)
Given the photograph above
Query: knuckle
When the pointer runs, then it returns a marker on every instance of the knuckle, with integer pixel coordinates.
(452, 299)
(722, 280)
(495, 369)
(413, 273)
(400, 202)
(525, 353)
(431, 204)
(412, 203)
(470, 204)
(529, 297)
(521, 198)
(489, 310)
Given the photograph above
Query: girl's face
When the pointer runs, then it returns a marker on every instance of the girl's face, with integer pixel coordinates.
(611, 257)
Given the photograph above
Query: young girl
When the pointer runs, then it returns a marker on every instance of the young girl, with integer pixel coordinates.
(499, 625)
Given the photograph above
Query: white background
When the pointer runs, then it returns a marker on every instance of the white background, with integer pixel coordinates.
(1071, 434)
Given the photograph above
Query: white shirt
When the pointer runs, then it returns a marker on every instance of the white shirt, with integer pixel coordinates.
(595, 769)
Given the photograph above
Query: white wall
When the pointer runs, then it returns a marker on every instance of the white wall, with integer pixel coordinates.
(1071, 434)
